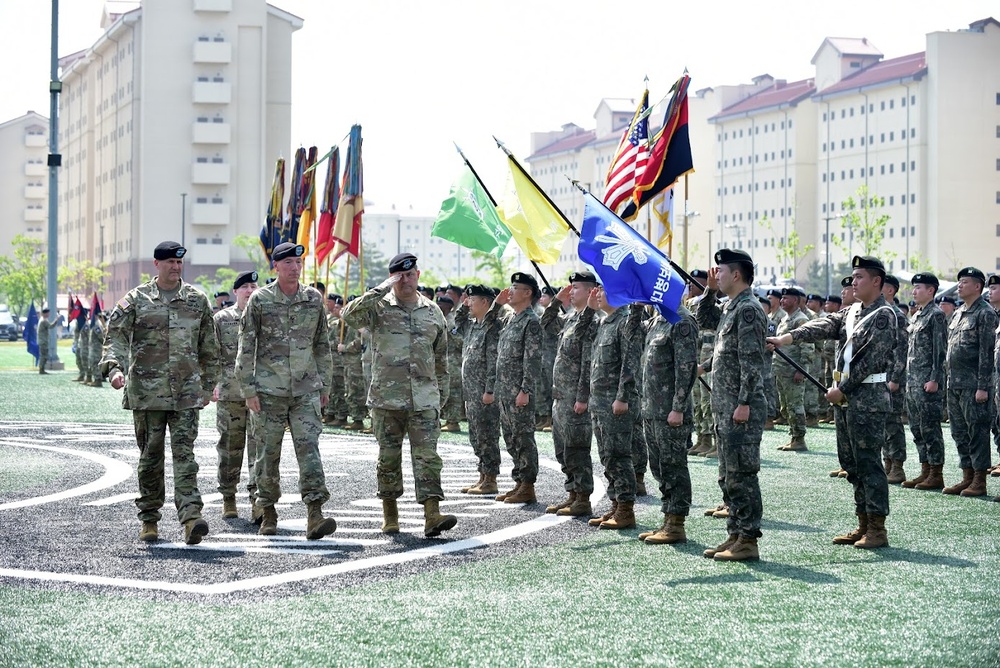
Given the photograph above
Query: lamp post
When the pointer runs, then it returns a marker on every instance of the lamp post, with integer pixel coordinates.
(739, 233)
(183, 216)
(827, 219)
(687, 214)
(711, 252)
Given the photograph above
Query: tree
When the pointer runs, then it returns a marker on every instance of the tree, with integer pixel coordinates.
(376, 270)
(864, 222)
(83, 277)
(251, 246)
(492, 269)
(789, 250)
(22, 276)
(816, 276)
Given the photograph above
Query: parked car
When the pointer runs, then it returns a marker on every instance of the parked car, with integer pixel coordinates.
(9, 331)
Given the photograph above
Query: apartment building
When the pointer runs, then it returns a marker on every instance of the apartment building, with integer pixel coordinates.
(24, 178)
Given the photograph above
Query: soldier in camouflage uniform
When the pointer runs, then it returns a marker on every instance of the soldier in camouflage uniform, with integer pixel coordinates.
(519, 361)
(42, 336)
(927, 345)
(703, 425)
(95, 342)
(867, 336)
(572, 431)
(335, 413)
(161, 333)
(791, 383)
(828, 353)
(971, 336)
(847, 299)
(894, 450)
(550, 342)
(636, 326)
(669, 370)
(451, 414)
(770, 386)
(350, 350)
(283, 367)
(409, 388)
(738, 401)
(993, 285)
(236, 434)
(613, 403)
(81, 338)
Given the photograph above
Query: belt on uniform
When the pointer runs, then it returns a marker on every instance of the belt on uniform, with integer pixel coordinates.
(870, 380)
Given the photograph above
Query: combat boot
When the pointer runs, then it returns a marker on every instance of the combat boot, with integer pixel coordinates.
(466, 490)
(256, 513)
(852, 537)
(797, 444)
(624, 517)
(967, 475)
(663, 527)
(875, 536)
(434, 521)
(524, 494)
(451, 427)
(195, 530)
(721, 513)
(744, 549)
(671, 532)
(713, 451)
(769, 424)
(596, 522)
(710, 552)
(487, 486)
(88, 379)
(565, 503)
(97, 383)
(229, 507)
(780, 420)
(357, 425)
(78, 379)
(935, 478)
(318, 526)
(925, 470)
(895, 475)
(390, 516)
(148, 533)
(580, 508)
(978, 486)
(539, 422)
(640, 485)
(338, 422)
(835, 473)
(268, 522)
(811, 421)
(701, 446)
(503, 497)
(711, 511)
(886, 465)
(547, 427)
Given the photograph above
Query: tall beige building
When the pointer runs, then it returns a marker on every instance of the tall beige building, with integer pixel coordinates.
(24, 178)
(175, 114)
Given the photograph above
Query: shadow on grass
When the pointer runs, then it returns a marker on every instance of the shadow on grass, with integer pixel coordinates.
(721, 579)
(914, 557)
(789, 572)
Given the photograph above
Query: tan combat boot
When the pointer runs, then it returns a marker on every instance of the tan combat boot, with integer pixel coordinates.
(797, 444)
(357, 425)
(895, 475)
(925, 470)
(434, 521)
(195, 530)
(503, 497)
(524, 494)
(547, 427)
(487, 486)
(390, 516)
(875, 536)
(466, 490)
(711, 511)
(701, 446)
(852, 537)
(624, 517)
(967, 475)
(729, 542)
(721, 513)
(256, 513)
(148, 533)
(451, 427)
(596, 522)
(811, 421)
(978, 486)
(935, 478)
(268, 522)
(229, 507)
(640, 485)
(646, 534)
(713, 450)
(580, 508)
(835, 473)
(744, 549)
(565, 503)
(670, 533)
(318, 526)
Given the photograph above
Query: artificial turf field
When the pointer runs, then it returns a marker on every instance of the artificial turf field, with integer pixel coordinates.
(563, 594)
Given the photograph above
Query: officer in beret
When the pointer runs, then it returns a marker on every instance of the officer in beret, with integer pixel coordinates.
(335, 413)
(791, 383)
(236, 433)
(220, 298)
(550, 341)
(866, 332)
(409, 388)
(42, 335)
(161, 335)
(847, 290)
(283, 366)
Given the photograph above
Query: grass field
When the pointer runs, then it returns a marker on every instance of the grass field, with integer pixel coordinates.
(601, 599)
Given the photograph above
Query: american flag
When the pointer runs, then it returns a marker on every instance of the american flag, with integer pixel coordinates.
(630, 159)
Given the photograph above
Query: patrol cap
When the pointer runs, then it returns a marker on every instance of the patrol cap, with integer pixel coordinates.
(868, 262)
(168, 249)
(792, 292)
(813, 297)
(698, 273)
(335, 298)
(993, 279)
(403, 262)
(445, 300)
(774, 292)
(221, 293)
(972, 272)
(525, 279)
(925, 278)
(479, 290)
(892, 280)
(244, 278)
(731, 256)
(549, 290)
(835, 299)
(286, 250)
(847, 282)
(582, 277)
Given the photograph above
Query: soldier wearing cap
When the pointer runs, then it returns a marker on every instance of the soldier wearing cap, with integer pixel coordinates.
(519, 361)
(81, 334)
(894, 450)
(550, 341)
(815, 403)
(703, 424)
(161, 335)
(738, 400)
(867, 335)
(971, 338)
(335, 413)
(283, 366)
(572, 431)
(220, 297)
(409, 387)
(451, 414)
(42, 335)
(236, 435)
(95, 343)
(791, 382)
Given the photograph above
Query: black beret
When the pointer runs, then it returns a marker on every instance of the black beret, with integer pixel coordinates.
(441, 288)
(335, 298)
(868, 262)
(835, 299)
(525, 279)
(774, 292)
(582, 277)
(402, 262)
(287, 250)
(319, 285)
(763, 300)
(925, 278)
(892, 280)
(550, 291)
(243, 279)
(168, 249)
(732, 255)
(947, 300)
(912, 304)
(454, 288)
(479, 291)
(445, 300)
(225, 304)
(426, 291)
(269, 280)
(698, 273)
(792, 292)
(993, 280)
(847, 282)
(222, 293)
(813, 297)
(972, 272)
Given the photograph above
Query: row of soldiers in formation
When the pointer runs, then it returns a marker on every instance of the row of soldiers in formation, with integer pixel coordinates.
(88, 339)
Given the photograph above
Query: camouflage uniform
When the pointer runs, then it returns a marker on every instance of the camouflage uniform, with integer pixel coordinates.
(614, 358)
(895, 435)
(738, 365)
(669, 370)
(791, 394)
(354, 376)
(550, 345)
(635, 329)
(232, 418)
(170, 354)
(770, 383)
(42, 336)
(702, 396)
(284, 361)
(861, 424)
(409, 386)
(452, 411)
(970, 368)
(572, 433)
(82, 343)
(519, 361)
(95, 342)
(812, 364)
(927, 346)
(336, 408)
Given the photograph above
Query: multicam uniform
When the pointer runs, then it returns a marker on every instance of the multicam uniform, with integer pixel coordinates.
(452, 411)
(336, 409)
(95, 343)
(791, 394)
(232, 418)
(354, 376)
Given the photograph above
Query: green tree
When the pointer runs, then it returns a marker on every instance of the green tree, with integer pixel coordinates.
(22, 275)
(83, 277)
(251, 246)
(493, 270)
(789, 250)
(816, 276)
(864, 223)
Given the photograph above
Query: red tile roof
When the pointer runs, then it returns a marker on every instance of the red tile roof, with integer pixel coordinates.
(571, 143)
(780, 94)
(894, 69)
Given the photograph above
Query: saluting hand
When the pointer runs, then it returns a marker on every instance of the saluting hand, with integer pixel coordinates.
(713, 278)
(504, 297)
(563, 294)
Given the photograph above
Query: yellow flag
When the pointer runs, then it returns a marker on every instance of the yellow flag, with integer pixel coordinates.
(663, 210)
(535, 224)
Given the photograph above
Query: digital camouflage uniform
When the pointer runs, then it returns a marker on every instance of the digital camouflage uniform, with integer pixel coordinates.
(170, 356)
(895, 434)
(861, 424)
(550, 344)
(738, 371)
(791, 394)
(614, 359)
(572, 433)
(336, 408)
(284, 361)
(703, 424)
(409, 386)
(971, 337)
(519, 361)
(770, 382)
(669, 370)
(635, 330)
(927, 346)
(813, 364)
(232, 418)
(452, 411)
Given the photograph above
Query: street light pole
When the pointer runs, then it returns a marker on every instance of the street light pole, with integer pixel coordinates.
(687, 214)
(827, 258)
(183, 216)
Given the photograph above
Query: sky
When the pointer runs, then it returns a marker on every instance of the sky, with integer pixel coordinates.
(419, 76)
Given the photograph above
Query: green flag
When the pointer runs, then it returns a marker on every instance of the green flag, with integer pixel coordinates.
(468, 218)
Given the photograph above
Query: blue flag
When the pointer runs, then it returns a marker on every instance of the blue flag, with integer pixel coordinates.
(630, 267)
(31, 332)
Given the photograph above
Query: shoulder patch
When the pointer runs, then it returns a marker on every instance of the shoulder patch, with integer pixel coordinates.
(682, 329)
(123, 304)
(748, 315)
(881, 321)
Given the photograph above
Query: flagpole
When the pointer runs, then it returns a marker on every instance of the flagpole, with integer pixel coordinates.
(548, 199)
(685, 219)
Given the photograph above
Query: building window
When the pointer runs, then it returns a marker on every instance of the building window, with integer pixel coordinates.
(892, 104)
(913, 165)
(913, 200)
